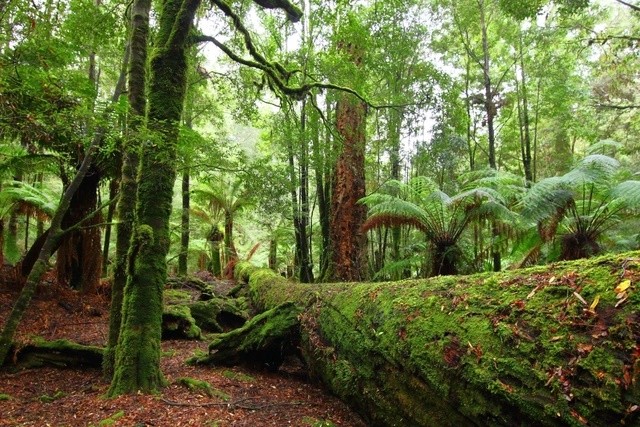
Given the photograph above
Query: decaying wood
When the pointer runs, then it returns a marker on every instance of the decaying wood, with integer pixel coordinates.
(513, 348)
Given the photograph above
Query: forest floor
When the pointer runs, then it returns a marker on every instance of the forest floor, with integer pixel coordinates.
(75, 397)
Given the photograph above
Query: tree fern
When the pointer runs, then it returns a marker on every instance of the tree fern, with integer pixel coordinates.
(582, 204)
(441, 217)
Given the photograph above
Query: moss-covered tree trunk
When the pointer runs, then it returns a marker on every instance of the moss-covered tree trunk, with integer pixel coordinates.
(137, 365)
(549, 346)
(136, 66)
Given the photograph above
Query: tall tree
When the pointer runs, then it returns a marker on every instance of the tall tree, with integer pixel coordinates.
(137, 65)
(348, 241)
(137, 363)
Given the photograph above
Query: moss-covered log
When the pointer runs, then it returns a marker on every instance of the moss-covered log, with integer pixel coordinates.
(264, 341)
(58, 353)
(549, 346)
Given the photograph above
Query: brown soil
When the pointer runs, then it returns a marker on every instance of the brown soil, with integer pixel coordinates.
(75, 397)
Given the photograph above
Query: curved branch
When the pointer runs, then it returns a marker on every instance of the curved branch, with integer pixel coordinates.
(632, 6)
(293, 12)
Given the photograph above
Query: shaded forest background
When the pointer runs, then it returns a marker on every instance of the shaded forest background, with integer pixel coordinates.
(473, 108)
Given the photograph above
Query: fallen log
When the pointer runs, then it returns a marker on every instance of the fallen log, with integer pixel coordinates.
(263, 342)
(549, 346)
(58, 353)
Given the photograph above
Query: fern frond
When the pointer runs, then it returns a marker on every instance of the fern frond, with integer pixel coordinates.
(30, 199)
(391, 220)
(595, 168)
(601, 146)
(545, 198)
(629, 193)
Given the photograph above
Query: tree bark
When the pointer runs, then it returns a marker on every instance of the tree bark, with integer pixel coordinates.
(183, 257)
(348, 242)
(79, 259)
(512, 348)
(135, 63)
(113, 193)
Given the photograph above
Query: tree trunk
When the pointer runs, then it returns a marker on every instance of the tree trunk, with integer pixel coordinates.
(135, 62)
(303, 247)
(526, 154)
(514, 348)
(113, 192)
(137, 365)
(183, 257)
(215, 264)
(322, 169)
(348, 242)
(79, 257)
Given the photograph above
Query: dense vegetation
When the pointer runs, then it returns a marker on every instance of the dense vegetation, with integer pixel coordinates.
(330, 141)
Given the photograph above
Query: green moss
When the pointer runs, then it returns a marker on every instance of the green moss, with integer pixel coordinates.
(501, 349)
(176, 297)
(177, 321)
(314, 422)
(4, 397)
(203, 387)
(111, 420)
(45, 398)
(239, 376)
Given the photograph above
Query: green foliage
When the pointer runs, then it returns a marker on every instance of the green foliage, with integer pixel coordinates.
(239, 376)
(442, 218)
(581, 204)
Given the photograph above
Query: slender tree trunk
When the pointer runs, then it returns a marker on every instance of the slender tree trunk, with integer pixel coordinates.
(491, 111)
(113, 193)
(216, 262)
(183, 257)
(273, 254)
(526, 158)
(136, 63)
(395, 124)
(322, 175)
(306, 273)
(489, 105)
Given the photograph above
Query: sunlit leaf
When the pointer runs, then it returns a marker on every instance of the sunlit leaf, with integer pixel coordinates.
(622, 286)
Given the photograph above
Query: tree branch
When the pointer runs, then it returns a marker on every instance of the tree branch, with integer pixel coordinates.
(293, 12)
(616, 107)
(632, 6)
(276, 76)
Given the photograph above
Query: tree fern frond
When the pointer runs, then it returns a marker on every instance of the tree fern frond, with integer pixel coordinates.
(545, 198)
(391, 220)
(629, 193)
(31, 199)
(375, 199)
(601, 146)
(398, 207)
(595, 168)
